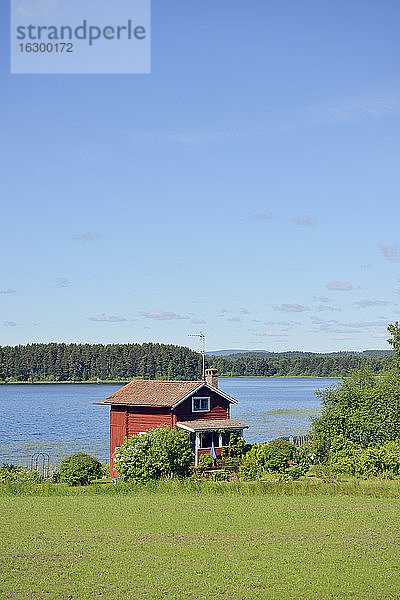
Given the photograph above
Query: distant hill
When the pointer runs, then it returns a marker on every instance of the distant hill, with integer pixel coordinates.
(236, 354)
(378, 352)
(230, 352)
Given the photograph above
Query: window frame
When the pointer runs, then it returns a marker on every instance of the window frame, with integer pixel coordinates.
(213, 433)
(197, 410)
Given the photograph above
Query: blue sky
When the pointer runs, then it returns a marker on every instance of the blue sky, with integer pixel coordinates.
(248, 187)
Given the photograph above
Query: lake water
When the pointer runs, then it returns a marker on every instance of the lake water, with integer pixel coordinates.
(47, 417)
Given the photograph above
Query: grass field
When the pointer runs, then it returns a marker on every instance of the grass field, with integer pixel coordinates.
(152, 545)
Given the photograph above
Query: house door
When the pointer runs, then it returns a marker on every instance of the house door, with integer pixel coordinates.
(117, 435)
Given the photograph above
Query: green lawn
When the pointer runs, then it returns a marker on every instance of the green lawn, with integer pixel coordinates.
(151, 545)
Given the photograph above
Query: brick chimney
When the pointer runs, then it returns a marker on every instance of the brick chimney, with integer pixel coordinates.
(212, 377)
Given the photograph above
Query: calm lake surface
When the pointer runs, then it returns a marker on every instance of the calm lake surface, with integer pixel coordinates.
(37, 414)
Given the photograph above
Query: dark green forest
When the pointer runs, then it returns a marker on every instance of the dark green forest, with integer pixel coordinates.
(122, 362)
(297, 364)
(87, 362)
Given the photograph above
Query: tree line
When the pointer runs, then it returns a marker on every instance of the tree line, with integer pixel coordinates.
(86, 362)
(296, 365)
(122, 362)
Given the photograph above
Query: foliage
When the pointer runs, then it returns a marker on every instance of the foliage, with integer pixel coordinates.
(80, 469)
(277, 455)
(85, 362)
(120, 362)
(206, 461)
(221, 476)
(378, 459)
(306, 456)
(160, 452)
(297, 364)
(364, 409)
(290, 473)
(10, 473)
(235, 447)
(394, 341)
(251, 467)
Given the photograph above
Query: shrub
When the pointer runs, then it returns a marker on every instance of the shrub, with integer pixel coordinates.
(235, 447)
(306, 456)
(344, 454)
(221, 476)
(80, 469)
(376, 459)
(277, 455)
(289, 474)
(251, 467)
(206, 461)
(13, 473)
(160, 452)
(364, 409)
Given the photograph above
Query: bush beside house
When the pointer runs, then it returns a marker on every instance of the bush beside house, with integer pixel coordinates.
(160, 452)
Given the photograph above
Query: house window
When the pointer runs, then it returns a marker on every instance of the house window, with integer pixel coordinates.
(200, 404)
(207, 438)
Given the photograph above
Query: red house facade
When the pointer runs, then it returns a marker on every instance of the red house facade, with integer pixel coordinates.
(198, 407)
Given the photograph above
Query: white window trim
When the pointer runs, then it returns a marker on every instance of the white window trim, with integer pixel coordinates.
(201, 409)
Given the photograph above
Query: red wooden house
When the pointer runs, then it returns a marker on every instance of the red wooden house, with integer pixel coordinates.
(199, 407)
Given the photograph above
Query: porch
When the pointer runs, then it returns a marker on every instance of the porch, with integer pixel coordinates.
(206, 434)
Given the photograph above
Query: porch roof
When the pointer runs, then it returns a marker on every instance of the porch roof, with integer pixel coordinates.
(210, 425)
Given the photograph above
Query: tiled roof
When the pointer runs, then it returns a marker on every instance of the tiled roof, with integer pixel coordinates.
(149, 392)
(207, 424)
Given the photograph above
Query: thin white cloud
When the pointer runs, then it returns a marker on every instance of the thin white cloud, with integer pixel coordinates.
(192, 138)
(235, 319)
(327, 307)
(162, 315)
(367, 303)
(103, 318)
(351, 110)
(271, 333)
(89, 236)
(342, 286)
(306, 221)
(35, 9)
(346, 328)
(363, 324)
(261, 216)
(93, 155)
(63, 282)
(197, 321)
(343, 337)
(390, 251)
(7, 291)
(379, 335)
(285, 324)
(290, 307)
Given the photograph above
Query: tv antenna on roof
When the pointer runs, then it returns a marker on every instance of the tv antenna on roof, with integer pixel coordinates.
(203, 349)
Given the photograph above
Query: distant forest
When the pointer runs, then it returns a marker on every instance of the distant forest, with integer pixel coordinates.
(122, 362)
(296, 364)
(86, 362)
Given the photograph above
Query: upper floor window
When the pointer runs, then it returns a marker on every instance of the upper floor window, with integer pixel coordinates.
(200, 404)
